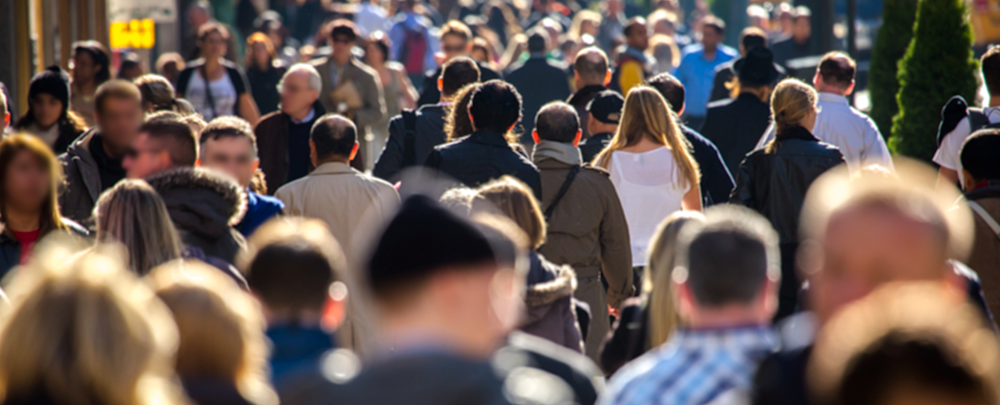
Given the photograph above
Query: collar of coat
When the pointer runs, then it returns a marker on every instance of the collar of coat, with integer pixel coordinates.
(547, 292)
(488, 137)
(585, 93)
(797, 132)
(991, 190)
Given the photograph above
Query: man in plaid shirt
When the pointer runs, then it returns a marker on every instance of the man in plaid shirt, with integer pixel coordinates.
(728, 272)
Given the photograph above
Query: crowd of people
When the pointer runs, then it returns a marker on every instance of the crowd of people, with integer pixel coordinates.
(549, 203)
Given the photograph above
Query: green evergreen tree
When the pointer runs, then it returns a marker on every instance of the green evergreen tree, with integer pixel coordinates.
(938, 65)
(890, 46)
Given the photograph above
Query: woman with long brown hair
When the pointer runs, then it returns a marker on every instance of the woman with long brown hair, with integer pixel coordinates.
(29, 187)
(652, 168)
(133, 214)
(773, 181)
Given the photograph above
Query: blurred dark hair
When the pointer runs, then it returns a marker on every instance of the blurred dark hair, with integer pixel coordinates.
(212, 28)
(837, 69)
(557, 121)
(458, 73)
(591, 64)
(342, 27)
(751, 37)
(333, 136)
(990, 62)
(174, 136)
(979, 154)
(671, 89)
(292, 274)
(716, 23)
(99, 54)
(495, 106)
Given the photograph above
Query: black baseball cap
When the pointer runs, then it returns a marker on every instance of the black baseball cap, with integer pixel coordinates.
(606, 107)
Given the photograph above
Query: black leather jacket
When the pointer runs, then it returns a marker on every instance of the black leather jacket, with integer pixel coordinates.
(775, 184)
(481, 157)
(429, 133)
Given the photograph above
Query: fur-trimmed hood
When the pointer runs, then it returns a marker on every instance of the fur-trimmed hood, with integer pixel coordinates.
(200, 201)
(548, 282)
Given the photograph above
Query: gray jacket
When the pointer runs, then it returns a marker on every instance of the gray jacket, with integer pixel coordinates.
(83, 181)
(364, 79)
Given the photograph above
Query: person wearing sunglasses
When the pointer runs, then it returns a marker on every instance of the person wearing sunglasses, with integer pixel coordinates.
(228, 145)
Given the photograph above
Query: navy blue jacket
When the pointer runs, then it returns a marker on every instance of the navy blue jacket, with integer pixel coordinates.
(260, 208)
(481, 157)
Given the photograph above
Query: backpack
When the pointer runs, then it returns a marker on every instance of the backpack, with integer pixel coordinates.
(414, 50)
(954, 111)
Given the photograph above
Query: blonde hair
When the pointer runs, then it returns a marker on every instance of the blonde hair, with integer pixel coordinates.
(657, 284)
(87, 332)
(792, 101)
(577, 25)
(647, 114)
(511, 198)
(133, 214)
(221, 328)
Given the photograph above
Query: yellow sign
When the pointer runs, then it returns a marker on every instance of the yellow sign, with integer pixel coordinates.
(140, 34)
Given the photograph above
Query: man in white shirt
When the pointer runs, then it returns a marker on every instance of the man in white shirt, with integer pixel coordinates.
(950, 144)
(838, 123)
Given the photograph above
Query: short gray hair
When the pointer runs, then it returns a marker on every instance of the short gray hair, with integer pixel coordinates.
(315, 82)
(728, 258)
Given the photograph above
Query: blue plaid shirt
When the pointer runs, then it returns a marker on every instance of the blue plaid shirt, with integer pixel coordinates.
(694, 367)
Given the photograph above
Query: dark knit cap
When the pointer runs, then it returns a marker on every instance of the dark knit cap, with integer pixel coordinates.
(606, 107)
(422, 238)
(53, 81)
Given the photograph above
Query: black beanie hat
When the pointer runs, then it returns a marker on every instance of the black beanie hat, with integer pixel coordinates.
(53, 81)
(421, 238)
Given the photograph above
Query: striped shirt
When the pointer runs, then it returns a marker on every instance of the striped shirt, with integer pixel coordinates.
(694, 367)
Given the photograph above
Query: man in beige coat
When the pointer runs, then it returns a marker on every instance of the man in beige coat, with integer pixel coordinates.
(586, 226)
(350, 87)
(354, 205)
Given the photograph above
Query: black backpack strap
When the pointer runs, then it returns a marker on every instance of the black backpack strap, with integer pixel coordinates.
(409, 137)
(208, 92)
(562, 190)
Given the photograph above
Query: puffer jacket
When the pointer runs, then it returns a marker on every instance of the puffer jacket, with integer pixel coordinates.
(775, 184)
(549, 302)
(204, 206)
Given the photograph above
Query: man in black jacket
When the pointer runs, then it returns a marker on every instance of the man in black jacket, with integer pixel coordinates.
(591, 76)
(538, 80)
(485, 155)
(716, 180)
(428, 123)
(456, 40)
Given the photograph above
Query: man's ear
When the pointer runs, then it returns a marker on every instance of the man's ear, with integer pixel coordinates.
(534, 135)
(576, 140)
(256, 164)
(6, 119)
(354, 150)
(441, 84)
(334, 309)
(197, 162)
(607, 77)
(850, 89)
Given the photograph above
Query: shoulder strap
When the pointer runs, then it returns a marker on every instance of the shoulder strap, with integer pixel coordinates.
(979, 210)
(208, 91)
(562, 190)
(409, 138)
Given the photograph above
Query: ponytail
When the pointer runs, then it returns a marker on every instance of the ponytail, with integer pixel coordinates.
(792, 101)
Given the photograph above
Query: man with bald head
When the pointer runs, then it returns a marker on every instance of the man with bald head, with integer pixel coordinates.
(590, 76)
(859, 233)
(346, 199)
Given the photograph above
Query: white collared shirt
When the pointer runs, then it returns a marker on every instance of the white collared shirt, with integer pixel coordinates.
(852, 131)
(307, 118)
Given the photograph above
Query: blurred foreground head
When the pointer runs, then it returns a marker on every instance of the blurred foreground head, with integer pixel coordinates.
(875, 227)
(83, 330)
(459, 281)
(914, 344)
(292, 265)
(221, 331)
(727, 264)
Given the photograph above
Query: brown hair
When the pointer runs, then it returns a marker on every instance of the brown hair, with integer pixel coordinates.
(458, 29)
(10, 148)
(259, 38)
(792, 101)
(513, 199)
(458, 73)
(120, 89)
(837, 69)
(990, 62)
(133, 214)
(176, 137)
(736, 87)
(646, 114)
(157, 91)
(458, 124)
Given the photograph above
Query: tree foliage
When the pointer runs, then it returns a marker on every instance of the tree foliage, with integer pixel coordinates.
(890, 45)
(938, 65)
